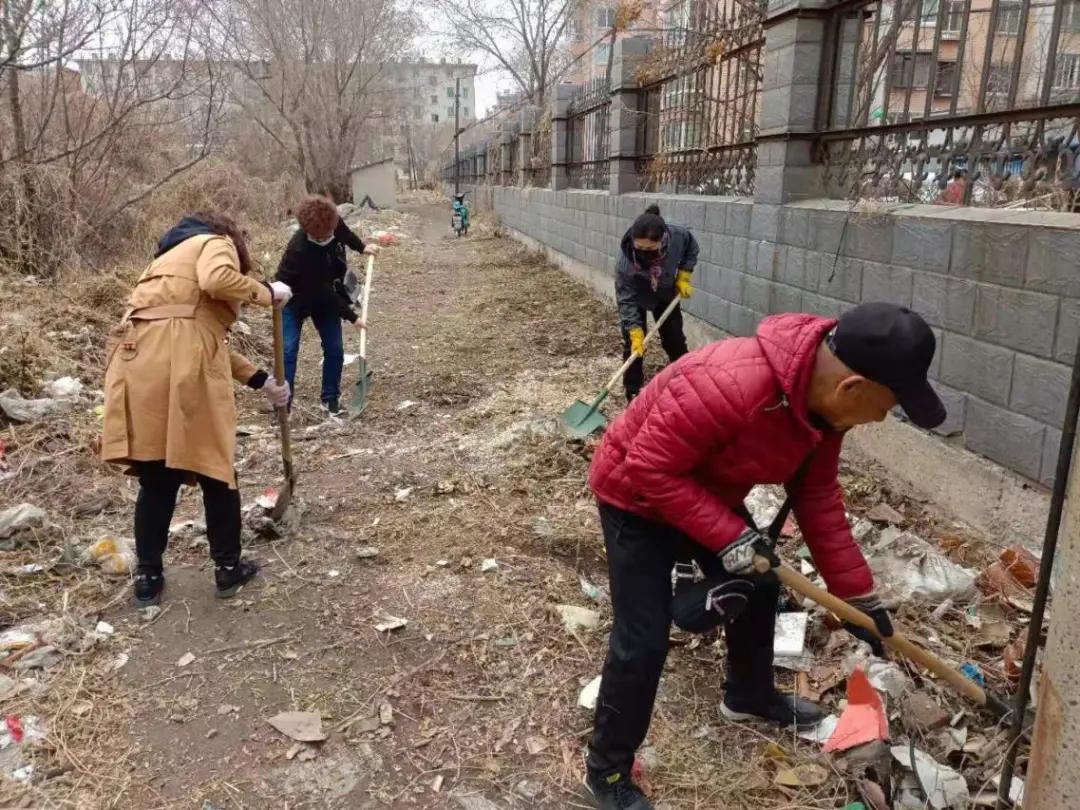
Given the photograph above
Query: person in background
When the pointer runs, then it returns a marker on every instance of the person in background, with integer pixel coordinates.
(656, 264)
(170, 413)
(953, 193)
(673, 470)
(314, 266)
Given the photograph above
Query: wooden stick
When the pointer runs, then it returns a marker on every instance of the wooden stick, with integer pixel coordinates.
(924, 658)
(648, 337)
(364, 306)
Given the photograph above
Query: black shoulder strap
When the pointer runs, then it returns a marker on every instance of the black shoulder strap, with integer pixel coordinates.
(792, 487)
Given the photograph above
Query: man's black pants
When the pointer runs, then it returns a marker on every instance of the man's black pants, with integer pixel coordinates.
(158, 487)
(640, 556)
(671, 338)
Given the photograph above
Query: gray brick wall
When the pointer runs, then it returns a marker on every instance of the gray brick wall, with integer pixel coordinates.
(1000, 288)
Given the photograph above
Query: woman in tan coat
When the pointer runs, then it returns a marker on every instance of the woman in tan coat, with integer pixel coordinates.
(169, 408)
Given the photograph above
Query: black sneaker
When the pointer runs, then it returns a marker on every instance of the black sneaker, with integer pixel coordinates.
(148, 588)
(785, 710)
(332, 406)
(230, 580)
(616, 792)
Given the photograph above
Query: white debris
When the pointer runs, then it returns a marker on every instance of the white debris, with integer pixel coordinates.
(367, 553)
(590, 694)
(576, 618)
(65, 388)
(333, 572)
(19, 518)
(822, 731)
(906, 567)
(186, 659)
(489, 564)
(789, 636)
(390, 623)
(592, 591)
(405, 405)
(1016, 789)
(945, 787)
(403, 494)
(299, 726)
(105, 628)
(18, 409)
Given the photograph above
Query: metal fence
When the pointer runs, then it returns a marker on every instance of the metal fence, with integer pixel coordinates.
(588, 135)
(953, 101)
(538, 172)
(699, 100)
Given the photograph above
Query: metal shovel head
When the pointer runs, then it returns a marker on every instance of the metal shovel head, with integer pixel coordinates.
(582, 419)
(281, 505)
(360, 391)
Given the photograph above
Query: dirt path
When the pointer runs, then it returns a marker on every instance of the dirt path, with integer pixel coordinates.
(476, 346)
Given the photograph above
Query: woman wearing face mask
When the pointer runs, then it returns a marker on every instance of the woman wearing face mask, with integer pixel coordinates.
(655, 266)
(314, 266)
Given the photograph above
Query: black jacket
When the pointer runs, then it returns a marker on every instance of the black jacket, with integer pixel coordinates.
(316, 273)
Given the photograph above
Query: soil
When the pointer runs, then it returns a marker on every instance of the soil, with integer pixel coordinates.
(476, 347)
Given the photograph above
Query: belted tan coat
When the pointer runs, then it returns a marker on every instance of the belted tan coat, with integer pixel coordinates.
(169, 383)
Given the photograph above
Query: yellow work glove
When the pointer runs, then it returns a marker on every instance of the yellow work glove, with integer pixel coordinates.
(682, 284)
(637, 341)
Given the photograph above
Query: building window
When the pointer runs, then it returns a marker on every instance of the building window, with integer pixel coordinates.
(927, 14)
(464, 92)
(449, 92)
(1070, 19)
(434, 118)
(465, 112)
(1000, 79)
(1008, 21)
(954, 17)
(433, 79)
(601, 54)
(605, 17)
(945, 81)
(911, 70)
(434, 99)
(450, 112)
(1067, 72)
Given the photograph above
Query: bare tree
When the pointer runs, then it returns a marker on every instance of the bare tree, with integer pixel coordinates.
(523, 37)
(309, 75)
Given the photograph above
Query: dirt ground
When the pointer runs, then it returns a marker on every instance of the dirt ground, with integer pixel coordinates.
(476, 346)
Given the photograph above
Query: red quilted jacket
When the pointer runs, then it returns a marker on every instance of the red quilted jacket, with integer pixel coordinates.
(719, 421)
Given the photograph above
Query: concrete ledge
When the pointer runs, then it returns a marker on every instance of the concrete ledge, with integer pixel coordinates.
(969, 487)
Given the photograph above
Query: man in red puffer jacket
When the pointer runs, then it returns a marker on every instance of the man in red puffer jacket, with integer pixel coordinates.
(671, 474)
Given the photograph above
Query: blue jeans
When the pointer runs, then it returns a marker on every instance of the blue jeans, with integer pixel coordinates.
(329, 328)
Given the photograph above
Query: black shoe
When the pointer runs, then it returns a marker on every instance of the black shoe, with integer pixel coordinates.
(231, 580)
(616, 792)
(332, 405)
(148, 588)
(786, 710)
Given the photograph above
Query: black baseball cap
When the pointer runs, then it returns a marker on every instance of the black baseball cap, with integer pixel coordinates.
(894, 347)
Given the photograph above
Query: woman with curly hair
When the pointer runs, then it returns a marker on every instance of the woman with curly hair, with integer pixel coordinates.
(314, 266)
(169, 408)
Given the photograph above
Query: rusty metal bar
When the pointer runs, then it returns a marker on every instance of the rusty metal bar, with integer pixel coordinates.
(1018, 53)
(961, 49)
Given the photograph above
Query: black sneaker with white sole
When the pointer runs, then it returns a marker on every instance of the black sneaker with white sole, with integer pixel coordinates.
(616, 792)
(229, 581)
(776, 707)
(148, 587)
(332, 406)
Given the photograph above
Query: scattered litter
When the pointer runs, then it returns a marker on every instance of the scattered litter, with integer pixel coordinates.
(348, 359)
(386, 713)
(789, 636)
(105, 628)
(589, 695)
(529, 789)
(806, 775)
(112, 555)
(883, 513)
(1016, 788)
(64, 388)
(1013, 659)
(119, 662)
(18, 409)
(20, 518)
(300, 726)
(763, 502)
(999, 580)
(367, 553)
(404, 405)
(822, 731)
(576, 618)
(863, 720)
(536, 745)
(403, 494)
(437, 783)
(267, 499)
(944, 787)
(390, 623)
(489, 564)
(993, 635)
(225, 709)
(974, 673)
(591, 591)
(862, 530)
(333, 572)
(949, 740)
(807, 568)
(149, 613)
(907, 567)
(1022, 564)
(924, 712)
(885, 676)
(186, 659)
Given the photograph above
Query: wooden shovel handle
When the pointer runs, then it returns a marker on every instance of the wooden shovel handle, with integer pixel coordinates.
(648, 337)
(364, 305)
(898, 643)
(279, 347)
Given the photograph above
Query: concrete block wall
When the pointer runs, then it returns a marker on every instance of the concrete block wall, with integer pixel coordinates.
(1000, 288)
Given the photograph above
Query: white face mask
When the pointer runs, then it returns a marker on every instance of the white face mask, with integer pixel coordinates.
(322, 242)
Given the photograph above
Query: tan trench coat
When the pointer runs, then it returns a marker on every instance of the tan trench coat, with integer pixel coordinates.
(169, 382)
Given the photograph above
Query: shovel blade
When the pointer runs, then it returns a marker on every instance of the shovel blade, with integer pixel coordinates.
(358, 402)
(582, 419)
(284, 500)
